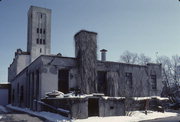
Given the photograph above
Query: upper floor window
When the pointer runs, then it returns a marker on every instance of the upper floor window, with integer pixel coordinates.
(153, 82)
(37, 41)
(37, 30)
(128, 77)
(40, 41)
(41, 30)
(44, 31)
(44, 41)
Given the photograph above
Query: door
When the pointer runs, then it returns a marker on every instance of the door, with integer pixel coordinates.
(63, 81)
(93, 107)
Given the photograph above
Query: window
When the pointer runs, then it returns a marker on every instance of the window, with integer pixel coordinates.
(44, 31)
(153, 82)
(41, 15)
(37, 41)
(128, 77)
(13, 96)
(40, 41)
(41, 30)
(22, 95)
(102, 82)
(44, 41)
(37, 30)
(40, 50)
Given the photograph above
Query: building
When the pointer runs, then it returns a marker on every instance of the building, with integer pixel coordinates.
(35, 72)
(5, 89)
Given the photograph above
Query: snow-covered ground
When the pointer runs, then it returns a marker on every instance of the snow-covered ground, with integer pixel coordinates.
(47, 115)
(136, 116)
(2, 110)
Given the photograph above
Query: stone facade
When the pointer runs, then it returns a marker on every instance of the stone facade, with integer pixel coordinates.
(32, 74)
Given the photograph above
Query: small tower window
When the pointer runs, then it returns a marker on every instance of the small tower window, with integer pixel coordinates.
(37, 41)
(41, 30)
(37, 30)
(40, 50)
(41, 15)
(44, 31)
(44, 41)
(40, 41)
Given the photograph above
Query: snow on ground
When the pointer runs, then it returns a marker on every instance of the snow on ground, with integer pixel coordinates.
(136, 116)
(47, 115)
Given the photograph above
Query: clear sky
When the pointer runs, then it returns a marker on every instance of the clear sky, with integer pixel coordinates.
(141, 26)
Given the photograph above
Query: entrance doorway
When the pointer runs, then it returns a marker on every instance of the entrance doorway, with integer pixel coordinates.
(63, 81)
(93, 107)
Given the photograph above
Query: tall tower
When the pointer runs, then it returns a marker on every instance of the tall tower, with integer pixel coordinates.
(39, 32)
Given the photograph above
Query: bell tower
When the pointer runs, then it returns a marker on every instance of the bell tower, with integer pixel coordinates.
(39, 32)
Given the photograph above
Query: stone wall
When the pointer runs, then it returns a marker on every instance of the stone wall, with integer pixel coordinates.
(111, 107)
(86, 54)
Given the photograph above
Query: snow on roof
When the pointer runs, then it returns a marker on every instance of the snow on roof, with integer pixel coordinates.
(3, 109)
(118, 98)
(151, 97)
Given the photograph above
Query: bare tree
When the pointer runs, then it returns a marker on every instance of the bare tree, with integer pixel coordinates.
(134, 58)
(143, 60)
(129, 57)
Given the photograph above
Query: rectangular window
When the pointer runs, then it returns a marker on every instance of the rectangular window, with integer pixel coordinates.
(153, 82)
(44, 31)
(41, 30)
(37, 41)
(102, 82)
(40, 41)
(44, 41)
(37, 30)
(128, 77)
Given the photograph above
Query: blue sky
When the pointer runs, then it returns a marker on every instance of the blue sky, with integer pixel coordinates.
(141, 26)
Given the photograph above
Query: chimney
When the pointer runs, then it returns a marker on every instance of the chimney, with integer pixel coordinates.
(103, 54)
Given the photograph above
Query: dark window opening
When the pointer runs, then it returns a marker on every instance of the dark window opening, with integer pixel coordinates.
(40, 41)
(93, 107)
(37, 41)
(22, 95)
(63, 80)
(102, 82)
(129, 79)
(153, 82)
(32, 89)
(111, 107)
(40, 50)
(41, 15)
(44, 41)
(37, 30)
(37, 88)
(44, 31)
(18, 89)
(13, 96)
(41, 30)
